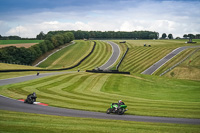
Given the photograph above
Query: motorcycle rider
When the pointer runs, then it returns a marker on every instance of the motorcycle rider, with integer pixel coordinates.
(120, 103)
(32, 97)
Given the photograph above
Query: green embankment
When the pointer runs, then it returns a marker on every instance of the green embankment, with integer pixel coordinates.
(68, 56)
(139, 58)
(71, 55)
(26, 122)
(2, 42)
(189, 69)
(4, 66)
(144, 95)
(101, 54)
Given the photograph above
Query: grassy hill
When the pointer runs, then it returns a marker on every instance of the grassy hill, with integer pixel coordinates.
(189, 69)
(68, 56)
(101, 54)
(148, 95)
(144, 94)
(139, 58)
(71, 55)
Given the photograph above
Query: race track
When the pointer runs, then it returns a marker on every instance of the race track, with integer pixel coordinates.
(14, 105)
(114, 56)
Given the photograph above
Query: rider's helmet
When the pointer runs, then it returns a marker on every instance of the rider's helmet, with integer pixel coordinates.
(34, 94)
(119, 101)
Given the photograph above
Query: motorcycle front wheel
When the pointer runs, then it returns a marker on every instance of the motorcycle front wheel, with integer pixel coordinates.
(120, 112)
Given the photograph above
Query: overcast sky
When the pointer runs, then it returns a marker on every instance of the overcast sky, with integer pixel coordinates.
(28, 17)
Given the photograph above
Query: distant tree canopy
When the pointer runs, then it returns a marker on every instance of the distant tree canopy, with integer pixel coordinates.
(14, 38)
(164, 35)
(41, 36)
(111, 34)
(170, 36)
(192, 36)
(26, 56)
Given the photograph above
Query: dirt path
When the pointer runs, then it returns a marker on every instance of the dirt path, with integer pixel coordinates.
(26, 45)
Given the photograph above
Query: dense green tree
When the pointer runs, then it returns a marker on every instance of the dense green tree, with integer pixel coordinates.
(37, 50)
(197, 36)
(164, 35)
(23, 55)
(170, 36)
(191, 36)
(41, 36)
(49, 45)
(185, 35)
(152, 36)
(66, 38)
(43, 47)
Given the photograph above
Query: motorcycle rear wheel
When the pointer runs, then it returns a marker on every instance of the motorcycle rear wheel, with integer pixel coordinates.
(108, 111)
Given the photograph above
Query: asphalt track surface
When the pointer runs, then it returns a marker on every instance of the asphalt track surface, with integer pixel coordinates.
(165, 59)
(18, 106)
(29, 77)
(114, 56)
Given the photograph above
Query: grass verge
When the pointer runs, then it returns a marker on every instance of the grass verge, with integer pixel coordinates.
(19, 122)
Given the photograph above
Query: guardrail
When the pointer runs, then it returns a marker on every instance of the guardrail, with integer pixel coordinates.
(122, 58)
(179, 62)
(110, 71)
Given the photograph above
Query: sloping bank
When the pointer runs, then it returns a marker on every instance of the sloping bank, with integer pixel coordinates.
(23, 70)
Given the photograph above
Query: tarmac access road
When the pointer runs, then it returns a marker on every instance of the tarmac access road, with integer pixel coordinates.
(115, 55)
(164, 60)
(18, 106)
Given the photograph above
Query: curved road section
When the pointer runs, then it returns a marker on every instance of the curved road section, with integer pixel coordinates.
(114, 56)
(29, 77)
(164, 60)
(14, 105)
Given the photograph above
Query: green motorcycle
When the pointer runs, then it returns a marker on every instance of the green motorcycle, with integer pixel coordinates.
(115, 108)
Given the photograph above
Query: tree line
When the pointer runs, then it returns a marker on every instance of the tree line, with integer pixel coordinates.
(107, 34)
(14, 38)
(192, 36)
(185, 36)
(26, 56)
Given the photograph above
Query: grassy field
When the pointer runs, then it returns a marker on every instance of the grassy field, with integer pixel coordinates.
(27, 122)
(139, 58)
(144, 94)
(68, 56)
(101, 54)
(189, 69)
(4, 66)
(3, 42)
